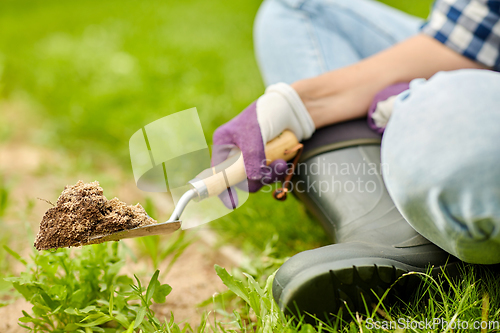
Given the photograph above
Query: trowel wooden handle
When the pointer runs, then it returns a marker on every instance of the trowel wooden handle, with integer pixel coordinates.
(232, 171)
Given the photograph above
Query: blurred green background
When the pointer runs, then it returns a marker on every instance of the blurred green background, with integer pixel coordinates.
(92, 72)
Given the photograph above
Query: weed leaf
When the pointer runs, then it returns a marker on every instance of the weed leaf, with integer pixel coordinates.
(152, 286)
(140, 316)
(161, 293)
(15, 255)
(234, 285)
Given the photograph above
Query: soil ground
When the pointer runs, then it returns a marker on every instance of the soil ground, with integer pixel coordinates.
(81, 212)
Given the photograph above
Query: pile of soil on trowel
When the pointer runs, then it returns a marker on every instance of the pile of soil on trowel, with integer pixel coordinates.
(82, 212)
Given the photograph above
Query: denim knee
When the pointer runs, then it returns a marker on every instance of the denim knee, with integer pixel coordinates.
(442, 161)
(285, 47)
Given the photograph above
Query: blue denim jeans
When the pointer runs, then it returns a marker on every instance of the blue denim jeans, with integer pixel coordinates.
(441, 148)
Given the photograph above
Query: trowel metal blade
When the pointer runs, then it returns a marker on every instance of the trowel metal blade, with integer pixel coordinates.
(148, 230)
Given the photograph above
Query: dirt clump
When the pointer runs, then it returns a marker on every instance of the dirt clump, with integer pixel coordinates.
(82, 212)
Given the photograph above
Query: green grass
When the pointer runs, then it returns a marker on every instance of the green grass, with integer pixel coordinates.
(262, 217)
(100, 70)
(83, 292)
(419, 8)
(5, 238)
(458, 304)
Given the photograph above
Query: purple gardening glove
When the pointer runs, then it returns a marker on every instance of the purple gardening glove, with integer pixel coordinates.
(278, 109)
(382, 105)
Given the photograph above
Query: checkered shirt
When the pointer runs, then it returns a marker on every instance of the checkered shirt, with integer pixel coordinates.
(470, 27)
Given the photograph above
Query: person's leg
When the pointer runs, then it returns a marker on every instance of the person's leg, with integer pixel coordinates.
(441, 150)
(296, 39)
(339, 182)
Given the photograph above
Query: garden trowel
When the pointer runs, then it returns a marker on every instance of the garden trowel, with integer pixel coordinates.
(209, 183)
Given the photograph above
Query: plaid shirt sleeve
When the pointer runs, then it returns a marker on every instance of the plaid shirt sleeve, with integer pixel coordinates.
(470, 27)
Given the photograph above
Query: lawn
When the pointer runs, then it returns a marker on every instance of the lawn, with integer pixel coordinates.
(86, 75)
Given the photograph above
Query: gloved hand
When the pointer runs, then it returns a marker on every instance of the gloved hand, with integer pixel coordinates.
(278, 109)
(382, 105)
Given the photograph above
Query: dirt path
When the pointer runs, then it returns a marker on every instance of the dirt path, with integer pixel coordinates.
(33, 172)
(193, 280)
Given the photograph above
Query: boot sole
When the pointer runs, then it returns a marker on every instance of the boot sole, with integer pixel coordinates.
(354, 285)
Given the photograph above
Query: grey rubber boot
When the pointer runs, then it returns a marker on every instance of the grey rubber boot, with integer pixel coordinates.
(374, 244)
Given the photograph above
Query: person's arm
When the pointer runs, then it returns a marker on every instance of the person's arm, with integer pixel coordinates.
(346, 93)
